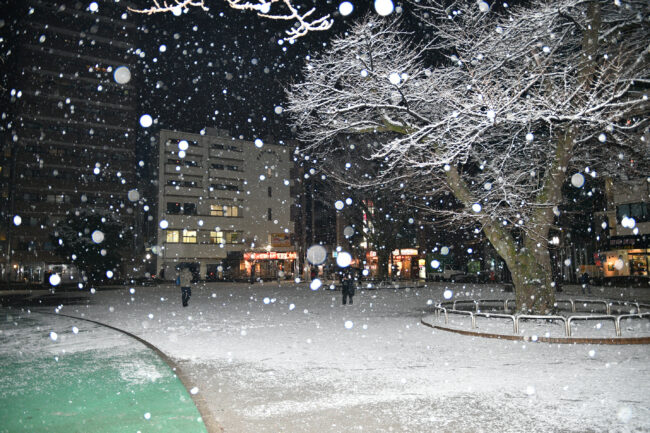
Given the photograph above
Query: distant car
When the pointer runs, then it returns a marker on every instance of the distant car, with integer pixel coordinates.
(448, 273)
(478, 277)
(464, 278)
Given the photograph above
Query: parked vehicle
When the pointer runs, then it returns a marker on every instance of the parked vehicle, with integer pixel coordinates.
(446, 273)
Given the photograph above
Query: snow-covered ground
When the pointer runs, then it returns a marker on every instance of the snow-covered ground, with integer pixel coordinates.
(284, 358)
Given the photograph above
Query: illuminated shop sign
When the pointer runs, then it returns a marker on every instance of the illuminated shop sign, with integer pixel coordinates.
(271, 255)
(406, 252)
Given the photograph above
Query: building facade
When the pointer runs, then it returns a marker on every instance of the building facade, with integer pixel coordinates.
(224, 207)
(68, 137)
(625, 236)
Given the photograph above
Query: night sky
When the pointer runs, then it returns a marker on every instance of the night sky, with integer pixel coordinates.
(225, 68)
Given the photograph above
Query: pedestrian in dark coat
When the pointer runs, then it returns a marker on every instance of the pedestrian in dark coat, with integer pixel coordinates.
(347, 289)
(584, 282)
(185, 280)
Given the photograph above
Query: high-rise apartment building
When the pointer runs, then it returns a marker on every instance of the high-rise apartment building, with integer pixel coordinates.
(224, 207)
(69, 127)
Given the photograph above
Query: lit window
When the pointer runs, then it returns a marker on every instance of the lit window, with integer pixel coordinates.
(216, 238)
(231, 211)
(189, 236)
(216, 210)
(227, 211)
(172, 236)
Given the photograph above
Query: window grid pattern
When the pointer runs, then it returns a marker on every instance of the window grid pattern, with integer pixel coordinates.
(189, 236)
(172, 236)
(224, 210)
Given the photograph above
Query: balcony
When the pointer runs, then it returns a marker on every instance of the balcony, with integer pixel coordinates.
(225, 153)
(186, 170)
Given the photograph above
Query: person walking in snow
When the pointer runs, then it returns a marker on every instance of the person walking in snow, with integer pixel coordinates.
(185, 279)
(584, 282)
(347, 288)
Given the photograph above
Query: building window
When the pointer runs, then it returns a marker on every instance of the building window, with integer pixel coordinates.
(216, 210)
(224, 210)
(225, 237)
(638, 211)
(57, 198)
(172, 236)
(189, 236)
(173, 208)
(185, 162)
(185, 183)
(232, 237)
(216, 238)
(189, 208)
(270, 215)
(175, 141)
(223, 187)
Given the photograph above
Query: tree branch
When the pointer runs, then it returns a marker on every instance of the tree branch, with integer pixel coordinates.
(303, 21)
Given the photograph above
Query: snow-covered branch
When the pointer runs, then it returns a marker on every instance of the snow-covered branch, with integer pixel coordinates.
(177, 7)
(303, 21)
(496, 106)
(499, 110)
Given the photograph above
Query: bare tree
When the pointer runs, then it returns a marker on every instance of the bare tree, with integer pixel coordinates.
(498, 109)
(303, 21)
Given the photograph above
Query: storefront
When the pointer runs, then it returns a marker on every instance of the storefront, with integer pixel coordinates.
(626, 263)
(405, 264)
(268, 265)
(629, 256)
(372, 263)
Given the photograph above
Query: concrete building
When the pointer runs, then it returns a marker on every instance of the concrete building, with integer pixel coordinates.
(68, 135)
(606, 236)
(625, 235)
(224, 207)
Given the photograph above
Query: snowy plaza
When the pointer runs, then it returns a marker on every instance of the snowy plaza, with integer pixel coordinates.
(325, 216)
(284, 358)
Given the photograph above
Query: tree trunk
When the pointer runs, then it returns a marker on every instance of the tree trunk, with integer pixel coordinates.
(530, 267)
(529, 264)
(383, 259)
(531, 275)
